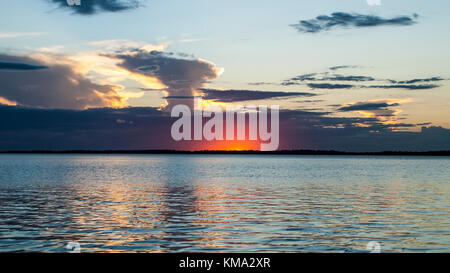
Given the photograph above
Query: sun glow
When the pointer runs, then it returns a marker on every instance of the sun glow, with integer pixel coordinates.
(210, 103)
(233, 145)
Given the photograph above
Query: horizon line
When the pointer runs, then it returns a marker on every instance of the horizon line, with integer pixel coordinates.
(254, 152)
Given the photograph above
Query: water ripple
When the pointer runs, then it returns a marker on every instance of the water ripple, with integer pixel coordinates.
(175, 203)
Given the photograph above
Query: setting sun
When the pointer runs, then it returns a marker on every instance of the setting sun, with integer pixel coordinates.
(233, 146)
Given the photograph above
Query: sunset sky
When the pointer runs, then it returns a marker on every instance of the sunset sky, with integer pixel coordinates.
(347, 75)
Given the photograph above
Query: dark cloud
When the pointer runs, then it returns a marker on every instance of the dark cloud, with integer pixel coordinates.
(330, 86)
(312, 77)
(362, 106)
(89, 7)
(19, 66)
(57, 86)
(348, 78)
(320, 131)
(100, 128)
(299, 79)
(401, 125)
(404, 86)
(424, 124)
(310, 101)
(433, 79)
(343, 19)
(181, 76)
(339, 67)
(380, 110)
(288, 83)
(246, 95)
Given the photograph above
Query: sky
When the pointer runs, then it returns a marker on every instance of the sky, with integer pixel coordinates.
(354, 75)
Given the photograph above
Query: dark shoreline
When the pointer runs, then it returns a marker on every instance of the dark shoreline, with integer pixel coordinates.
(285, 152)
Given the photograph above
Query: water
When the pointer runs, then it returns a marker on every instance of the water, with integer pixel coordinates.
(224, 203)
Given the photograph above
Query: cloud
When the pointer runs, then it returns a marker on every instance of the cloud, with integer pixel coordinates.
(246, 95)
(380, 110)
(322, 81)
(321, 132)
(355, 20)
(403, 86)
(364, 106)
(20, 66)
(339, 67)
(300, 78)
(348, 78)
(313, 77)
(27, 82)
(424, 124)
(329, 86)
(99, 128)
(433, 79)
(89, 7)
(310, 101)
(182, 76)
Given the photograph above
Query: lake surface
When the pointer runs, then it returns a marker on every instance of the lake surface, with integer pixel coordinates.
(224, 203)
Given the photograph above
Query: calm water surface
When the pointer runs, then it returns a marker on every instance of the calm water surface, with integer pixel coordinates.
(183, 203)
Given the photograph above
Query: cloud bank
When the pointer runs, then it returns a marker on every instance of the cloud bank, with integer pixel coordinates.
(147, 128)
